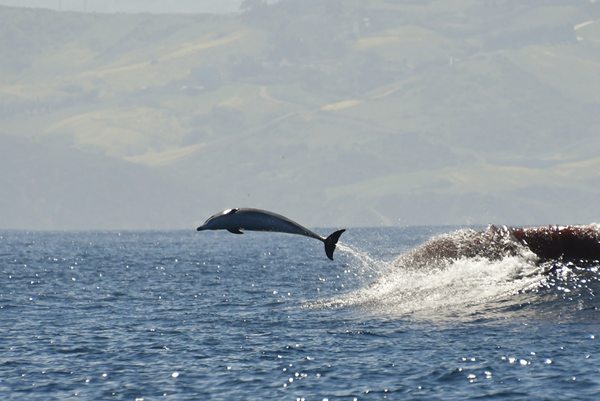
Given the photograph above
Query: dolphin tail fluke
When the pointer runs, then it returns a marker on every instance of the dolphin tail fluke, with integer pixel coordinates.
(330, 243)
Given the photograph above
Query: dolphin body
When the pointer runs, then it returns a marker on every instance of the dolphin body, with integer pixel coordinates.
(578, 244)
(238, 219)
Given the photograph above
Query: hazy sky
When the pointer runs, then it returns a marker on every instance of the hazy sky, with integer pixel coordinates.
(132, 6)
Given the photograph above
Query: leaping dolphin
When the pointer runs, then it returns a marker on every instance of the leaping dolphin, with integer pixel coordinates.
(237, 219)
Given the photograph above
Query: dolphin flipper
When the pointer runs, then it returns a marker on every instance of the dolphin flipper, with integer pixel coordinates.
(330, 243)
(234, 230)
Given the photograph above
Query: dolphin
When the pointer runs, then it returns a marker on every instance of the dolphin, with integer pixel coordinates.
(578, 244)
(238, 219)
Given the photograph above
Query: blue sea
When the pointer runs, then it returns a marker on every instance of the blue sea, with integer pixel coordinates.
(183, 315)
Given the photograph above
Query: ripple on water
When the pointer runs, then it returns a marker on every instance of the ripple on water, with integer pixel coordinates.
(200, 324)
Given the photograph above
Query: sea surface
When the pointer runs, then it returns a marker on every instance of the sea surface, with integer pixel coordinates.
(183, 315)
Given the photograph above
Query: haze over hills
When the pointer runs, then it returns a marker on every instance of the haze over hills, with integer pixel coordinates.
(333, 113)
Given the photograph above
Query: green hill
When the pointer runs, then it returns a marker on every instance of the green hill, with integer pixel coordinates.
(336, 113)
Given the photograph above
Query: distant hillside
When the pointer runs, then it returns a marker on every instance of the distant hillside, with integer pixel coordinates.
(50, 186)
(336, 113)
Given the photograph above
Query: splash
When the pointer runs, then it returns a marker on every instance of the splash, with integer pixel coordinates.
(454, 289)
(453, 274)
(551, 271)
(363, 261)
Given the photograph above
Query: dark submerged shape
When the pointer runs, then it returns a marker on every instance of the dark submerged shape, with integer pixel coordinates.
(238, 219)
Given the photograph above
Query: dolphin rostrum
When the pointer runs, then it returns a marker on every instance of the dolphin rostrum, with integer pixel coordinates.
(237, 219)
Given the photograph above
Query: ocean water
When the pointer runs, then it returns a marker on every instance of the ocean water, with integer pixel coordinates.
(213, 316)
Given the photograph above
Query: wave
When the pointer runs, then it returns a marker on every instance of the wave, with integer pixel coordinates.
(473, 274)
